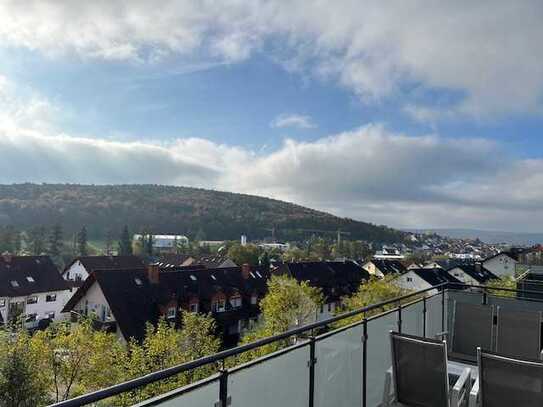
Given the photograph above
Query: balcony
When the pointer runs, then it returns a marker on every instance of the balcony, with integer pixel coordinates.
(344, 367)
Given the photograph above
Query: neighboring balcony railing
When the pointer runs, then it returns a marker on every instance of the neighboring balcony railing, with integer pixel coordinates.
(342, 368)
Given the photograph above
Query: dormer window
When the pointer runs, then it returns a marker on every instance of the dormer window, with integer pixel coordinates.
(219, 305)
(235, 302)
(30, 279)
(171, 313)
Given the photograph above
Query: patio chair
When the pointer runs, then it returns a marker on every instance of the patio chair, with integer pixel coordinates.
(420, 376)
(472, 328)
(504, 381)
(518, 333)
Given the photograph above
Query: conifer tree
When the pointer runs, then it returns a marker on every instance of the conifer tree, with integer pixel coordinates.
(82, 243)
(125, 244)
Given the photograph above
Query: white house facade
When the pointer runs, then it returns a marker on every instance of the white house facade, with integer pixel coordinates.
(501, 265)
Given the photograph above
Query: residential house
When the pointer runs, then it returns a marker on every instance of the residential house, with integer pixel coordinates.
(125, 300)
(501, 264)
(336, 279)
(423, 278)
(79, 269)
(31, 286)
(165, 243)
(474, 273)
(381, 268)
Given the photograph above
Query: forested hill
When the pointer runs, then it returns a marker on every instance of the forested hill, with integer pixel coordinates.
(167, 209)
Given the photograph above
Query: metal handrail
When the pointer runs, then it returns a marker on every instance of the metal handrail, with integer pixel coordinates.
(221, 356)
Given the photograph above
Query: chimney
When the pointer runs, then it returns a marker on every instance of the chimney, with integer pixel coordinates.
(7, 257)
(153, 273)
(245, 271)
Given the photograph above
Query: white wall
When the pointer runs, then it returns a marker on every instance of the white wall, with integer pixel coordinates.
(501, 265)
(374, 271)
(42, 308)
(411, 281)
(76, 270)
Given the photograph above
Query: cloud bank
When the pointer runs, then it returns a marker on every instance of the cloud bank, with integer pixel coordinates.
(486, 54)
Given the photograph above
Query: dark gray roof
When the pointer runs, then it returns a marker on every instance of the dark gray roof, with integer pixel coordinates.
(435, 276)
(92, 263)
(25, 275)
(478, 272)
(334, 278)
(388, 267)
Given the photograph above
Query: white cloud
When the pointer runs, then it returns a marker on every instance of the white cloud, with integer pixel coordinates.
(486, 52)
(293, 120)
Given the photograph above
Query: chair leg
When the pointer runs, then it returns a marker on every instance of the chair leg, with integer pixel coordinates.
(474, 394)
(461, 389)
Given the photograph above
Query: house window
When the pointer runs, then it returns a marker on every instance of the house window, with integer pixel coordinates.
(30, 279)
(254, 299)
(235, 302)
(50, 298)
(2, 303)
(50, 315)
(409, 279)
(171, 313)
(219, 306)
(193, 307)
(32, 300)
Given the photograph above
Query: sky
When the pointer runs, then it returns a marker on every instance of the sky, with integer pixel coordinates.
(414, 114)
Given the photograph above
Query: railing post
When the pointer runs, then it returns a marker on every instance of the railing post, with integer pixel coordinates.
(224, 399)
(443, 309)
(484, 299)
(311, 364)
(400, 317)
(424, 316)
(364, 360)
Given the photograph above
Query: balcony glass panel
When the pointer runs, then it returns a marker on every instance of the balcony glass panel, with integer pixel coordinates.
(338, 372)
(282, 380)
(433, 316)
(204, 395)
(378, 357)
(469, 297)
(413, 319)
(514, 304)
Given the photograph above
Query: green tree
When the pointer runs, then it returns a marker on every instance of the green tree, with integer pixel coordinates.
(21, 385)
(503, 282)
(125, 243)
(8, 239)
(36, 240)
(82, 242)
(288, 304)
(374, 291)
(164, 346)
(109, 243)
(248, 254)
(55, 242)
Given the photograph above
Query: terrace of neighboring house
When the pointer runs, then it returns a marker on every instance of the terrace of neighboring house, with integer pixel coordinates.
(470, 345)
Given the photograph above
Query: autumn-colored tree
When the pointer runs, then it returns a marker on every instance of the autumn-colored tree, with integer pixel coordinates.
(163, 347)
(503, 282)
(374, 291)
(248, 254)
(288, 304)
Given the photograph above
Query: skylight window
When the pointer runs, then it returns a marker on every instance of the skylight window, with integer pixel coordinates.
(138, 281)
(252, 275)
(213, 277)
(193, 277)
(258, 274)
(14, 283)
(30, 279)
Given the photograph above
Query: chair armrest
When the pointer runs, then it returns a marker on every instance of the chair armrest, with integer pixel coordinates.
(461, 388)
(474, 394)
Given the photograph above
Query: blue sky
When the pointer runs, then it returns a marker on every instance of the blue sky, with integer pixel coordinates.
(411, 115)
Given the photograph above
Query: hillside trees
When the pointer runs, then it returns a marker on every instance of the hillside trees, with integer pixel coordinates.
(125, 242)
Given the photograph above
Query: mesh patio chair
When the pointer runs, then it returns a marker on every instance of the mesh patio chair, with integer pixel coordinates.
(473, 326)
(505, 382)
(518, 333)
(420, 376)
